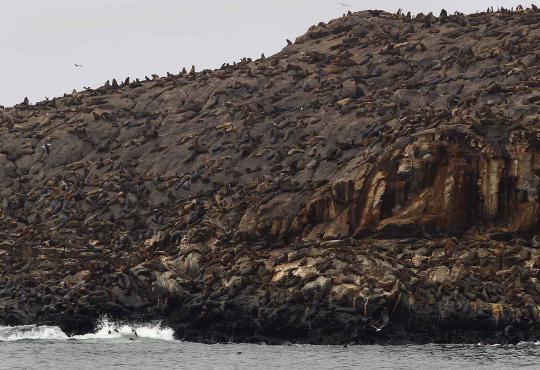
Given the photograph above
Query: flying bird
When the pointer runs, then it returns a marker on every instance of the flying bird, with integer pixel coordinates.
(378, 328)
(77, 65)
(343, 4)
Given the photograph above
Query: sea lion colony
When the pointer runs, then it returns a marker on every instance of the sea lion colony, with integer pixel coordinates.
(375, 181)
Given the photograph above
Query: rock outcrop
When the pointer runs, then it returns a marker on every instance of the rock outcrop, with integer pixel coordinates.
(375, 181)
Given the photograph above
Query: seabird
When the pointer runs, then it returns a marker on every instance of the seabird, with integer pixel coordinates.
(45, 147)
(343, 4)
(77, 65)
(289, 42)
(135, 332)
(379, 328)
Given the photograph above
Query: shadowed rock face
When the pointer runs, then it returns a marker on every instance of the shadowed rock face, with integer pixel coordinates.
(446, 180)
(380, 171)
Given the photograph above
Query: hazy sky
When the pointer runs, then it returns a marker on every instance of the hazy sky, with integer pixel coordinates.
(41, 39)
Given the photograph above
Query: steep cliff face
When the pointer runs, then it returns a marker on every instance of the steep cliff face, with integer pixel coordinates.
(444, 180)
(381, 170)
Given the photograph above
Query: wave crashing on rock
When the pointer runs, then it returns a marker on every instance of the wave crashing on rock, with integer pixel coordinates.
(106, 329)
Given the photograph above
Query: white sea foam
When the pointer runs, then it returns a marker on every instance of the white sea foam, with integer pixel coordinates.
(109, 329)
(106, 329)
(11, 333)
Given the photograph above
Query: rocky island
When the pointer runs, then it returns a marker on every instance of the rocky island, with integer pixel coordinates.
(376, 181)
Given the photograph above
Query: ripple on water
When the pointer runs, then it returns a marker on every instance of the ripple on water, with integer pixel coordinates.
(41, 347)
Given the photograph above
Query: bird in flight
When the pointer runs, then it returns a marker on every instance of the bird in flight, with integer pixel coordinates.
(379, 328)
(343, 4)
(77, 65)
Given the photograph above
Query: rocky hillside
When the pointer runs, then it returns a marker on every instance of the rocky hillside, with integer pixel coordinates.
(380, 171)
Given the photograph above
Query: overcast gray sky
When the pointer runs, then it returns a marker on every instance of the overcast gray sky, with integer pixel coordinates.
(41, 39)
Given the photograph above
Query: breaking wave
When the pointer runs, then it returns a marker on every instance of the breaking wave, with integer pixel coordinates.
(106, 329)
(29, 332)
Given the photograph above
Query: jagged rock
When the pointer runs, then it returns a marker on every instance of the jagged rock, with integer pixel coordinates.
(439, 275)
(131, 300)
(188, 265)
(321, 285)
(7, 168)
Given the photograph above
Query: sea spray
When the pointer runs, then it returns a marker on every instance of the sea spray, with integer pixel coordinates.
(105, 329)
(31, 332)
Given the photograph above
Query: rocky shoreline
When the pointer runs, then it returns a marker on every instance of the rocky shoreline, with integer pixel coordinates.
(375, 182)
(307, 294)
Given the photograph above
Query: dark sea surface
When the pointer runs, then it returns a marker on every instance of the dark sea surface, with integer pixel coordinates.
(153, 347)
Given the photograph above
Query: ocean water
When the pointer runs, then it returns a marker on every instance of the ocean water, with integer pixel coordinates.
(115, 346)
